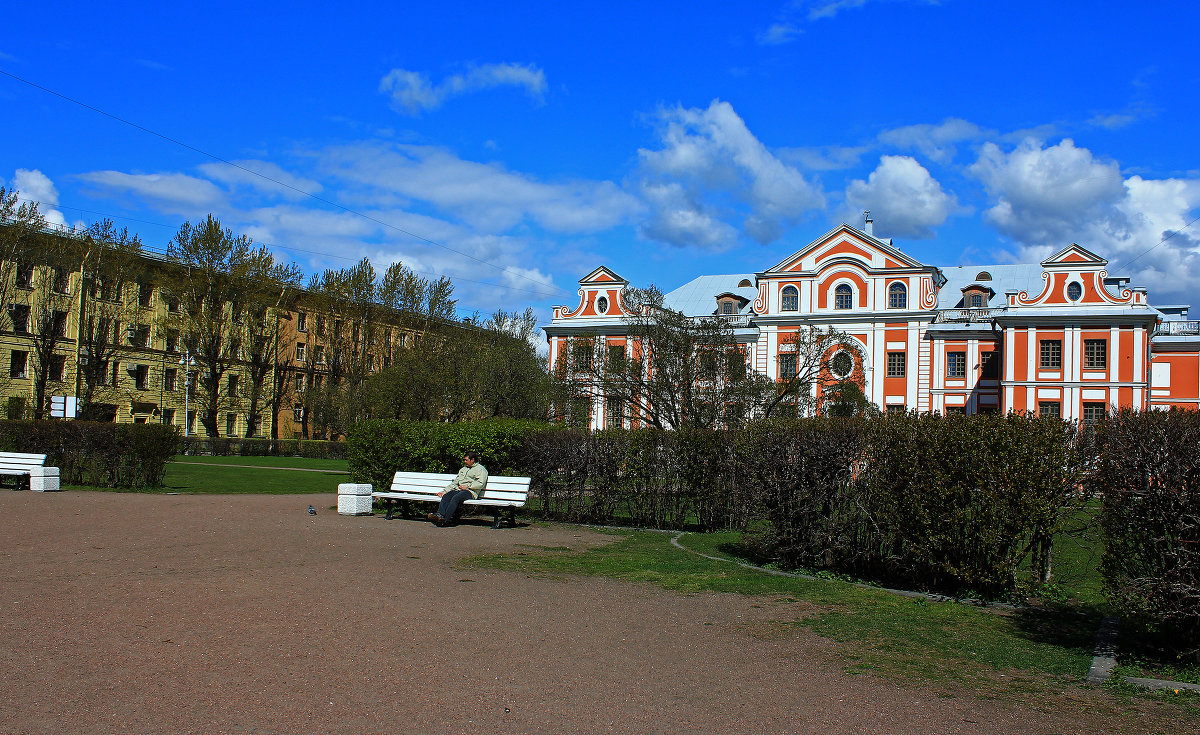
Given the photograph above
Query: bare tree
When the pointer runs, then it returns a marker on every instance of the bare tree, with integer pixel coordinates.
(217, 275)
(22, 229)
(805, 363)
(54, 291)
(108, 310)
(675, 371)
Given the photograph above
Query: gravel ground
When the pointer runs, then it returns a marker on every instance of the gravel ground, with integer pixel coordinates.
(243, 614)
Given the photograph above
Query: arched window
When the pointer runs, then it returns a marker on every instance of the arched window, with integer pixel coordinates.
(745, 283)
(843, 297)
(897, 296)
(791, 298)
(983, 276)
(1074, 291)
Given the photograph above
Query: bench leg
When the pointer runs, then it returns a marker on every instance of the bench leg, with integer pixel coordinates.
(391, 503)
(496, 518)
(512, 517)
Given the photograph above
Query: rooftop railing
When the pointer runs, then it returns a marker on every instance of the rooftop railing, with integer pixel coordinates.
(1179, 328)
(968, 315)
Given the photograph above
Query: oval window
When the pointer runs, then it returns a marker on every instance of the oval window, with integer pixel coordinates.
(602, 305)
(842, 364)
(1074, 291)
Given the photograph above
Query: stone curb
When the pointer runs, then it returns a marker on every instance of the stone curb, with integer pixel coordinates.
(1104, 662)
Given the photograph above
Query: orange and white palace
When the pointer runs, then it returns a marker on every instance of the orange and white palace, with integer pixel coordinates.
(1061, 337)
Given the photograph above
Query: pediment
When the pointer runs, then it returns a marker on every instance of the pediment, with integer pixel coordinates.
(845, 244)
(1074, 255)
(602, 275)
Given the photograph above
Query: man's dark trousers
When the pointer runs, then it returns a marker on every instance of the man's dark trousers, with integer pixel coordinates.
(448, 508)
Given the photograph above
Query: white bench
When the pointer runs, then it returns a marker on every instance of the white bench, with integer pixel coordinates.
(500, 493)
(42, 479)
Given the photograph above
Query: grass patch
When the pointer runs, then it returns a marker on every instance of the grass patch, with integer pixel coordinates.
(897, 637)
(305, 463)
(247, 475)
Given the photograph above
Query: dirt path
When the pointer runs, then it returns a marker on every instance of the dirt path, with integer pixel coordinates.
(238, 614)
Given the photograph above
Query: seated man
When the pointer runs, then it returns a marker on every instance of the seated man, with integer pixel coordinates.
(469, 483)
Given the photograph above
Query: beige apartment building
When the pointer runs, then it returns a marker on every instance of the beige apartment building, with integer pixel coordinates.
(138, 371)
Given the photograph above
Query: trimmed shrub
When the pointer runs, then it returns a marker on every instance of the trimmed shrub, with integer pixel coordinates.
(645, 477)
(802, 473)
(379, 448)
(1148, 476)
(958, 502)
(98, 454)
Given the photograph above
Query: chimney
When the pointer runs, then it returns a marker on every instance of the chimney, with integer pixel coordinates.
(868, 224)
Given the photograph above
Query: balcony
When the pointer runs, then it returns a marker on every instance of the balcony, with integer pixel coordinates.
(968, 315)
(735, 320)
(1178, 329)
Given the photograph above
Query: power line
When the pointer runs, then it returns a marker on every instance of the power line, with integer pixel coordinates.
(97, 110)
(287, 248)
(1173, 233)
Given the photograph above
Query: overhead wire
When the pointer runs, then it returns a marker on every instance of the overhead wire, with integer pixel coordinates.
(286, 248)
(1173, 233)
(348, 210)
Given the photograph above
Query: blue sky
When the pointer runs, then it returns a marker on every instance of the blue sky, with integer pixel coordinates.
(515, 147)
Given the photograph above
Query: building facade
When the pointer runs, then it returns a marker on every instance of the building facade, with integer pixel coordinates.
(1059, 338)
(140, 372)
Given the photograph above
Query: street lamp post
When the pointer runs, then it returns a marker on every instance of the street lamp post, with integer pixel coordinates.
(186, 361)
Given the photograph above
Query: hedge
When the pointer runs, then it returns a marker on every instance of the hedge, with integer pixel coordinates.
(1148, 476)
(99, 454)
(955, 504)
(646, 478)
(379, 448)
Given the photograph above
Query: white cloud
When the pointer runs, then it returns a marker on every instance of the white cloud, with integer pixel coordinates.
(1115, 121)
(778, 34)
(173, 193)
(35, 185)
(711, 163)
(830, 8)
(1043, 195)
(412, 92)
(1047, 197)
(904, 200)
(678, 220)
(790, 20)
(824, 158)
(243, 174)
(937, 142)
(485, 195)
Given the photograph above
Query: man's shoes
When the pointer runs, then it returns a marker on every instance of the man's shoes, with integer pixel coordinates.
(434, 518)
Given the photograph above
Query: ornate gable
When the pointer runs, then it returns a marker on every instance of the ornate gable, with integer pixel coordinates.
(599, 296)
(1074, 277)
(845, 244)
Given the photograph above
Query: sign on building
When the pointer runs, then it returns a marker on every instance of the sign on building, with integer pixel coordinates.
(63, 407)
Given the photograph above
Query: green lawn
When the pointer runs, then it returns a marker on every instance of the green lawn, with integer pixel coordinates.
(191, 474)
(290, 462)
(269, 475)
